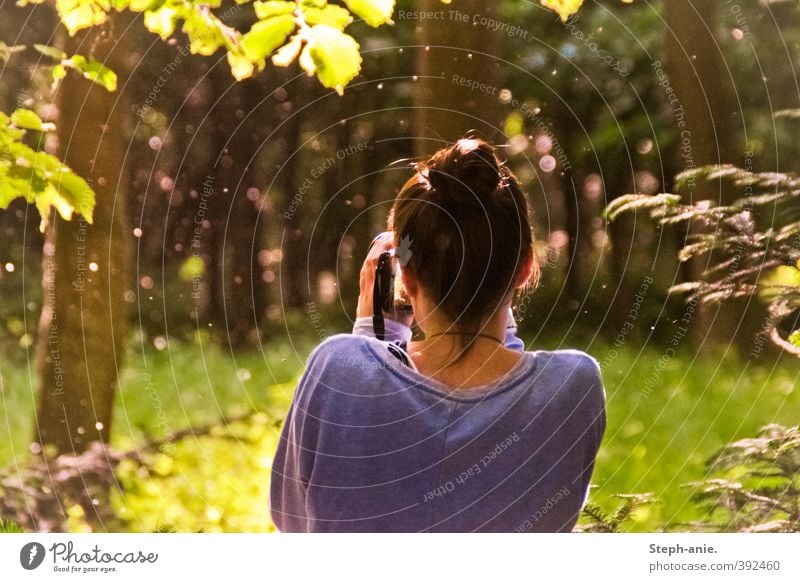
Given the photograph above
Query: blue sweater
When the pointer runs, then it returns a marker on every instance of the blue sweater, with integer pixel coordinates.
(371, 445)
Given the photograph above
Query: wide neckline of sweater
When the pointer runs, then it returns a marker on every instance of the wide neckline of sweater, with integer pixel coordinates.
(522, 369)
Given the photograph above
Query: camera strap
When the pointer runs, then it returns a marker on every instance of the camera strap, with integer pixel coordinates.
(398, 350)
(377, 313)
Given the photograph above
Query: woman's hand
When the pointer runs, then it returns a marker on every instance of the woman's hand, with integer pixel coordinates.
(383, 242)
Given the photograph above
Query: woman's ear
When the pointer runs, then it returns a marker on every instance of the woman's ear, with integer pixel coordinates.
(409, 282)
(525, 270)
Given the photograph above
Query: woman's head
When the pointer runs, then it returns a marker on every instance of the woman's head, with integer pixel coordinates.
(466, 220)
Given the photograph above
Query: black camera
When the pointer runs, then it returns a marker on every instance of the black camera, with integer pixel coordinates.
(388, 294)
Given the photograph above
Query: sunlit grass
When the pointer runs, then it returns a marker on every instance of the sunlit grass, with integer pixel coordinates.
(217, 479)
(660, 439)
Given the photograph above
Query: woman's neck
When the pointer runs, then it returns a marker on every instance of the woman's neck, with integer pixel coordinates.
(435, 326)
(464, 360)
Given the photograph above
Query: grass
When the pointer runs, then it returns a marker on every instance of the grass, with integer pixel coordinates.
(658, 438)
(162, 391)
(214, 480)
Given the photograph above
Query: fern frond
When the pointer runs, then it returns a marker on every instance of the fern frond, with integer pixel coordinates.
(632, 202)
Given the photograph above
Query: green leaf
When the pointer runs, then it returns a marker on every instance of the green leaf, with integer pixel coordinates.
(6, 51)
(66, 191)
(374, 12)
(20, 181)
(78, 14)
(288, 52)
(204, 32)
(161, 21)
(267, 35)
(51, 51)
(94, 70)
(332, 15)
(273, 8)
(564, 8)
(241, 66)
(59, 72)
(27, 119)
(76, 191)
(334, 55)
(51, 198)
(306, 62)
(142, 5)
(37, 176)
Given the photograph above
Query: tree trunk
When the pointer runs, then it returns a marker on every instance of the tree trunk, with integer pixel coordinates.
(239, 236)
(704, 91)
(294, 243)
(458, 56)
(85, 267)
(707, 124)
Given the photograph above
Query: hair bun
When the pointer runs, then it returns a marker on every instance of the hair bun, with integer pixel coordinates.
(466, 172)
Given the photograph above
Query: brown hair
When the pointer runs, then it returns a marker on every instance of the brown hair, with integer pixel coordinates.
(467, 220)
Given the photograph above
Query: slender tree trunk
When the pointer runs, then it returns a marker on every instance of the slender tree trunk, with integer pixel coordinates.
(457, 53)
(239, 236)
(84, 318)
(294, 264)
(704, 91)
(707, 122)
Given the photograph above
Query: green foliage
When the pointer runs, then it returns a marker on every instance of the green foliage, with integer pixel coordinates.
(564, 8)
(90, 68)
(374, 12)
(757, 484)
(27, 119)
(36, 176)
(6, 51)
(78, 14)
(702, 405)
(332, 55)
(267, 35)
(172, 442)
(752, 242)
(7, 526)
(216, 480)
(632, 202)
(93, 70)
(597, 520)
(667, 416)
(314, 29)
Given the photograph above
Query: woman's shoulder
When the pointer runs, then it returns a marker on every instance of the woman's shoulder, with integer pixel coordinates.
(349, 351)
(571, 358)
(332, 348)
(570, 367)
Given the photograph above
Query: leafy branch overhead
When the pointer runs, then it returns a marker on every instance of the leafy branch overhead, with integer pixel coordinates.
(90, 68)
(38, 176)
(310, 31)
